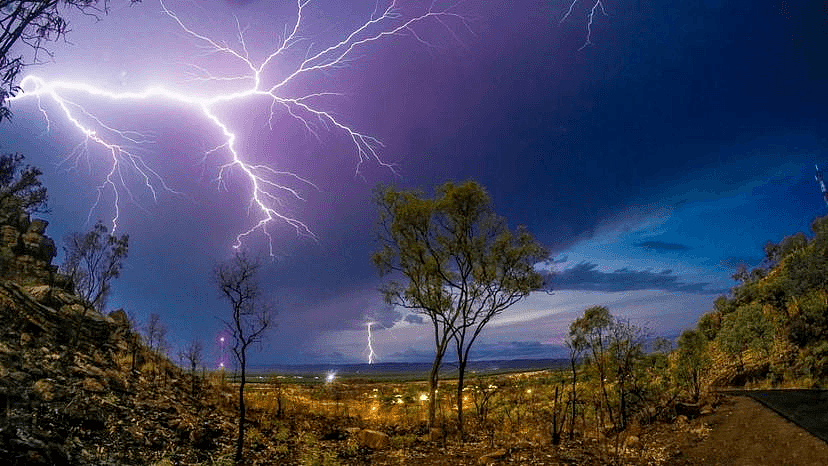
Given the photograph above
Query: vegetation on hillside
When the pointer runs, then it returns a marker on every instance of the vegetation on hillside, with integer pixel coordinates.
(773, 327)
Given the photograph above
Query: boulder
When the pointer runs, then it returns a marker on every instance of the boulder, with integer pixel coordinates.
(8, 236)
(690, 410)
(120, 318)
(493, 457)
(92, 385)
(41, 293)
(48, 390)
(372, 439)
(38, 226)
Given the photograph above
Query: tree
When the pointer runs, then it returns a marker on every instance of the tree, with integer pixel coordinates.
(191, 355)
(250, 317)
(593, 329)
(462, 263)
(154, 332)
(93, 259)
(692, 360)
(33, 23)
(21, 191)
(626, 353)
(576, 344)
(746, 328)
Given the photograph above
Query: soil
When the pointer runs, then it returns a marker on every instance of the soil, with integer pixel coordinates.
(744, 432)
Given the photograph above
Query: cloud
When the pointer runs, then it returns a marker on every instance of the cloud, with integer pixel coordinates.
(414, 319)
(386, 315)
(662, 246)
(586, 276)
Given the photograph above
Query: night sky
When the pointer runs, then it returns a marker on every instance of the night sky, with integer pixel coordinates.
(652, 161)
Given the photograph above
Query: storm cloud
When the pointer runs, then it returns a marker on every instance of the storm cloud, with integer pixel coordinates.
(586, 276)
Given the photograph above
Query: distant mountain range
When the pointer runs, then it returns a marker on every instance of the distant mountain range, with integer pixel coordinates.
(401, 370)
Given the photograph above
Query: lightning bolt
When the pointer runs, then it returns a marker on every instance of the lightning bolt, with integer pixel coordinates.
(269, 187)
(598, 4)
(370, 348)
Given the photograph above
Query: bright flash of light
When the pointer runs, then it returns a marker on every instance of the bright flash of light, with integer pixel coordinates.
(273, 79)
(371, 353)
(330, 377)
(598, 4)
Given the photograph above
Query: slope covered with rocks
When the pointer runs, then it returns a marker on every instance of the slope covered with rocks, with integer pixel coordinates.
(80, 388)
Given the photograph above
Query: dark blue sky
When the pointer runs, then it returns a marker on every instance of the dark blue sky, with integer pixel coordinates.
(652, 162)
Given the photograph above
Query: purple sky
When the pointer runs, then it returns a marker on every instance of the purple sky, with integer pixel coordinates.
(651, 162)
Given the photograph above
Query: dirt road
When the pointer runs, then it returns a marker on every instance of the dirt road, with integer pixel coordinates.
(746, 433)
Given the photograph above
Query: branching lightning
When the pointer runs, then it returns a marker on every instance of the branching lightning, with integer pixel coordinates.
(598, 4)
(268, 186)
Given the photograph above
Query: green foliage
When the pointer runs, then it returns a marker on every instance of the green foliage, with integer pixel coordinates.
(617, 358)
(785, 300)
(20, 188)
(461, 264)
(692, 361)
(281, 432)
(747, 328)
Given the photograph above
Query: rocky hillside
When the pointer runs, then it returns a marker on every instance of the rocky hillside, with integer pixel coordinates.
(79, 388)
(69, 394)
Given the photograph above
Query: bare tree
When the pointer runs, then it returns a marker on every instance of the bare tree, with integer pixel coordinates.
(191, 354)
(154, 333)
(32, 23)
(250, 317)
(93, 260)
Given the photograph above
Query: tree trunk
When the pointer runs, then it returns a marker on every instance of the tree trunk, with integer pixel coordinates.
(240, 440)
(574, 400)
(622, 392)
(606, 403)
(556, 432)
(433, 380)
(461, 366)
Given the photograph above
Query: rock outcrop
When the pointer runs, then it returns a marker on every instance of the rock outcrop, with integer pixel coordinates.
(26, 252)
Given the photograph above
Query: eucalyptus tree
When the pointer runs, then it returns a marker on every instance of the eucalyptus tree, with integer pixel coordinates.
(593, 331)
(461, 264)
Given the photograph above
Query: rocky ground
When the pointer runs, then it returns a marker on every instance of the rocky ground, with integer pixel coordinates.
(70, 393)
